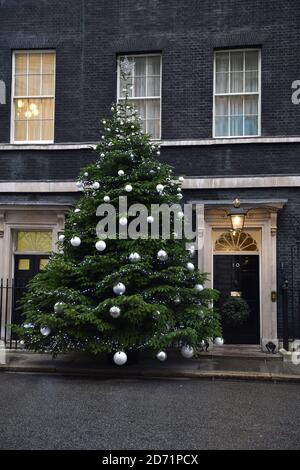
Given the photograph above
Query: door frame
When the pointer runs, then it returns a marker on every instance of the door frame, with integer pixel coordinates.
(263, 220)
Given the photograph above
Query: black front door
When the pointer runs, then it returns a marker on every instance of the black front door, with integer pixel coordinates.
(239, 274)
(26, 267)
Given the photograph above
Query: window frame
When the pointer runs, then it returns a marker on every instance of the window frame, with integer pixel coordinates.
(120, 98)
(251, 93)
(13, 97)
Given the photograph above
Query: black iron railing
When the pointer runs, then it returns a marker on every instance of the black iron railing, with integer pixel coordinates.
(10, 313)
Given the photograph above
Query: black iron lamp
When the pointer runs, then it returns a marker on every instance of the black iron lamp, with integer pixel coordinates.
(237, 216)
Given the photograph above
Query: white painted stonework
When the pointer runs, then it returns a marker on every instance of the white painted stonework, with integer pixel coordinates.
(163, 143)
(189, 183)
(261, 223)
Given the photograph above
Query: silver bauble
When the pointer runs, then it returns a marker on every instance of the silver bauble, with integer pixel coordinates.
(115, 312)
(187, 352)
(190, 267)
(45, 331)
(219, 341)
(199, 287)
(75, 241)
(161, 356)
(100, 245)
(123, 221)
(96, 185)
(134, 257)
(119, 289)
(162, 255)
(59, 307)
(120, 358)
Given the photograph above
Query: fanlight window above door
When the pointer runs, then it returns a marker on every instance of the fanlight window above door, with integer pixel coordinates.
(34, 241)
(236, 241)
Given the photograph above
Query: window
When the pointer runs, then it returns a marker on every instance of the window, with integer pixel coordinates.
(34, 241)
(144, 90)
(33, 96)
(236, 241)
(237, 93)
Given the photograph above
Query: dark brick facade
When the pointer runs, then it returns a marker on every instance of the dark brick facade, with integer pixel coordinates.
(89, 34)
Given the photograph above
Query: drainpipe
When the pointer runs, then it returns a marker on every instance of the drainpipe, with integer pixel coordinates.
(285, 311)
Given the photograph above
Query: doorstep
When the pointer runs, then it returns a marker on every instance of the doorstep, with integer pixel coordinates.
(245, 351)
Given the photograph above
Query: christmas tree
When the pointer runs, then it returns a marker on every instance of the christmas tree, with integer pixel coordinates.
(107, 292)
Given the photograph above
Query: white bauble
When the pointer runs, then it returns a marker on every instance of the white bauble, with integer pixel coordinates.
(161, 356)
(115, 312)
(79, 184)
(181, 179)
(190, 267)
(96, 185)
(100, 245)
(179, 196)
(179, 190)
(119, 289)
(120, 358)
(187, 352)
(180, 215)
(77, 210)
(191, 250)
(61, 238)
(45, 331)
(134, 257)
(59, 307)
(219, 341)
(128, 188)
(150, 219)
(160, 188)
(123, 221)
(106, 199)
(162, 255)
(86, 174)
(75, 241)
(121, 173)
(199, 287)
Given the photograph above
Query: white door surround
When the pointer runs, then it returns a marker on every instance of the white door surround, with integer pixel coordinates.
(261, 223)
